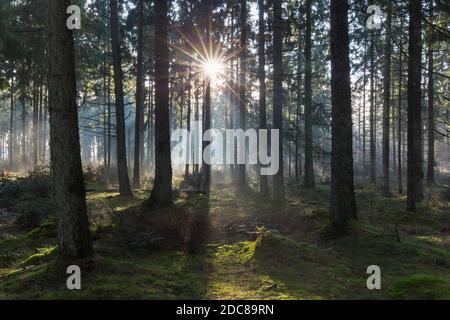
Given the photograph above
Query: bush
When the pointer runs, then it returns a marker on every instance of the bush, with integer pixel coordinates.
(445, 194)
(32, 211)
(29, 195)
(35, 184)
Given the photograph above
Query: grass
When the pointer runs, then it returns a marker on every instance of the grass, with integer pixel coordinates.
(254, 250)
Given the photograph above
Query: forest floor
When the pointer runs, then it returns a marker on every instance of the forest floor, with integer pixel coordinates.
(246, 248)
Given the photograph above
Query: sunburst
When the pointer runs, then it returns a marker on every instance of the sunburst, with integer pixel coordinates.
(208, 61)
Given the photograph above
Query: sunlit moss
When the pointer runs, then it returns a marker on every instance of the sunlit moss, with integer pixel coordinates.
(420, 286)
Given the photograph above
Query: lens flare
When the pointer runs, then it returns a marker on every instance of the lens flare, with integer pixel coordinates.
(212, 69)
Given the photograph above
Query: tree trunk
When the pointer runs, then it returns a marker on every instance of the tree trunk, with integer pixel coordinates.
(122, 170)
(44, 128)
(11, 124)
(364, 116)
(400, 106)
(298, 166)
(35, 125)
(109, 120)
(23, 94)
(387, 106)
(278, 180)
(69, 194)
(162, 190)
(196, 118)
(415, 173)
(264, 188)
(139, 98)
(243, 61)
(373, 148)
(206, 167)
(188, 120)
(309, 168)
(41, 113)
(431, 159)
(343, 206)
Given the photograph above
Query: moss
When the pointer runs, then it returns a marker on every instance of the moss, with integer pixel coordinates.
(294, 262)
(43, 255)
(420, 286)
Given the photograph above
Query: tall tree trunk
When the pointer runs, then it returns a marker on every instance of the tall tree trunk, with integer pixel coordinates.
(400, 107)
(162, 190)
(23, 94)
(122, 170)
(188, 119)
(109, 119)
(298, 166)
(278, 180)
(105, 115)
(431, 159)
(415, 173)
(343, 207)
(387, 105)
(309, 168)
(11, 124)
(44, 128)
(264, 188)
(41, 114)
(242, 83)
(139, 98)
(69, 194)
(35, 125)
(196, 118)
(206, 168)
(373, 147)
(364, 115)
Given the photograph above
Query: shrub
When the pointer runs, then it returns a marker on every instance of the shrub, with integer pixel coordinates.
(29, 195)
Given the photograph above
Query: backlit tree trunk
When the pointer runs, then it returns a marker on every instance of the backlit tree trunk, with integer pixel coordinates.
(264, 188)
(343, 206)
(122, 169)
(139, 98)
(415, 173)
(278, 179)
(162, 190)
(69, 193)
(309, 168)
(387, 106)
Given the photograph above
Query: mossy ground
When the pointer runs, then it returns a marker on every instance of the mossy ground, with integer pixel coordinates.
(253, 250)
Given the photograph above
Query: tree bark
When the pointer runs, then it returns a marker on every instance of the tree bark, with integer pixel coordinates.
(23, 94)
(35, 124)
(162, 190)
(373, 148)
(242, 83)
(122, 168)
(264, 188)
(11, 124)
(400, 106)
(387, 105)
(139, 98)
(431, 158)
(415, 174)
(278, 180)
(309, 168)
(343, 207)
(69, 194)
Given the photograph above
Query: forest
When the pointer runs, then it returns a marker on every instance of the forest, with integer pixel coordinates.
(224, 150)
